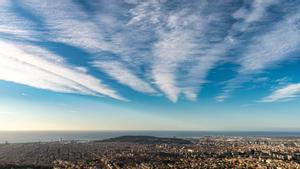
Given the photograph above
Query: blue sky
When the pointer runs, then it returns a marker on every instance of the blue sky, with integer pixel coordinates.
(149, 65)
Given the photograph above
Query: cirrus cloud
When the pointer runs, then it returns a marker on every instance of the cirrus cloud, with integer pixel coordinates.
(288, 92)
(150, 46)
(36, 67)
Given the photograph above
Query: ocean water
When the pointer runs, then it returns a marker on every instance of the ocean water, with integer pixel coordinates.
(46, 136)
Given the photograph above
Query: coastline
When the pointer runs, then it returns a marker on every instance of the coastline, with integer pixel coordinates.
(51, 136)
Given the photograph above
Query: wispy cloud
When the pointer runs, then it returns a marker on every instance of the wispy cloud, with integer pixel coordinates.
(265, 51)
(150, 46)
(124, 75)
(255, 13)
(170, 51)
(180, 40)
(272, 47)
(36, 67)
(288, 92)
(12, 25)
(176, 45)
(66, 22)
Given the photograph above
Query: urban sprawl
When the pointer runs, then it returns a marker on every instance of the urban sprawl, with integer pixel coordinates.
(143, 152)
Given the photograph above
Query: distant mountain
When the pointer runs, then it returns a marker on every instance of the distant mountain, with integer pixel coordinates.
(148, 140)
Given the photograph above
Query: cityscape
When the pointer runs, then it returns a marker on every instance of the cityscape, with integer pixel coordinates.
(148, 152)
(149, 84)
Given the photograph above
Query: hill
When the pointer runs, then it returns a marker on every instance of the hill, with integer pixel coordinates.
(147, 140)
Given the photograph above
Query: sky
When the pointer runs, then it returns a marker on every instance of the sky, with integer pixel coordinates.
(150, 65)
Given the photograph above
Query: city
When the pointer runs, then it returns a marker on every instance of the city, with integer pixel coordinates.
(149, 84)
(135, 152)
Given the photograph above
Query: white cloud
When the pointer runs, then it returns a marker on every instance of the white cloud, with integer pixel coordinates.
(202, 65)
(269, 48)
(210, 48)
(149, 11)
(273, 46)
(266, 50)
(165, 79)
(255, 13)
(36, 67)
(170, 51)
(230, 86)
(222, 97)
(176, 44)
(259, 8)
(172, 48)
(176, 31)
(13, 25)
(124, 75)
(288, 92)
(183, 45)
(67, 23)
(166, 52)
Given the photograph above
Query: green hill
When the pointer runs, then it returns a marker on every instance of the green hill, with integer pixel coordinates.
(147, 140)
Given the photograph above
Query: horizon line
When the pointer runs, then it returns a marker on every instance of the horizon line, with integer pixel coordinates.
(298, 130)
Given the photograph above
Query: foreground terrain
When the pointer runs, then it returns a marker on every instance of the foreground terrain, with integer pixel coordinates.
(152, 152)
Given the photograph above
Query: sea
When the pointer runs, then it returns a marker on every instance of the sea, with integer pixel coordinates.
(49, 136)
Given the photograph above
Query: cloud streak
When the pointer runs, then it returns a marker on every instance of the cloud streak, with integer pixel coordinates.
(67, 23)
(150, 46)
(285, 93)
(177, 45)
(13, 26)
(36, 67)
(265, 51)
(273, 47)
(124, 75)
